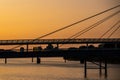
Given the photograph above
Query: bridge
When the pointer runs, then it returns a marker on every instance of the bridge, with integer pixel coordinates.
(97, 55)
(60, 41)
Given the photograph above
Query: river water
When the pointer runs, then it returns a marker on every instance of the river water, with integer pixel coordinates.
(52, 69)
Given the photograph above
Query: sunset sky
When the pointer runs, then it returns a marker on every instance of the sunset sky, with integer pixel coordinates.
(24, 19)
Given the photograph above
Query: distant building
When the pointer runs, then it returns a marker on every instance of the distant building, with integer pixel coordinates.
(109, 45)
(36, 49)
(50, 46)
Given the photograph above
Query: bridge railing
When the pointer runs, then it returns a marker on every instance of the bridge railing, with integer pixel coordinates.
(46, 41)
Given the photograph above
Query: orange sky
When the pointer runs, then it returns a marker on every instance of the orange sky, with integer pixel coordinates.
(33, 18)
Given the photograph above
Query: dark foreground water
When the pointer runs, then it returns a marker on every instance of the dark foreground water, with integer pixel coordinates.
(51, 69)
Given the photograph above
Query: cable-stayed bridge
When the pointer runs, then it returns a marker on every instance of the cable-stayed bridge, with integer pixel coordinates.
(60, 41)
(94, 54)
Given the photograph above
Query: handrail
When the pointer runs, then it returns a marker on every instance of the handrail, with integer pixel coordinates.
(60, 41)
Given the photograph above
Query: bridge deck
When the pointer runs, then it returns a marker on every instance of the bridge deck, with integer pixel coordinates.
(59, 41)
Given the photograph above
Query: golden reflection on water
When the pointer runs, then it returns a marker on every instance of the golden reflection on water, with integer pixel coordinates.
(51, 69)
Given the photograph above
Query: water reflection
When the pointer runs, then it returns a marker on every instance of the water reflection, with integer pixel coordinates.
(51, 69)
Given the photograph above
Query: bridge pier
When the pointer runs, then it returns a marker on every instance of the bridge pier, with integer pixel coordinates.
(32, 59)
(5, 60)
(38, 60)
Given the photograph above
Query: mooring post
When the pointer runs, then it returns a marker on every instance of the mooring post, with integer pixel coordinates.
(5, 60)
(105, 68)
(100, 68)
(85, 68)
(85, 64)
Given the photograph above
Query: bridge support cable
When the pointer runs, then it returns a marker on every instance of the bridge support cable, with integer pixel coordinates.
(117, 28)
(110, 9)
(93, 26)
(78, 22)
(110, 29)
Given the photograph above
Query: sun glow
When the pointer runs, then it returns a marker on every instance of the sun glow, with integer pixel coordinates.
(33, 18)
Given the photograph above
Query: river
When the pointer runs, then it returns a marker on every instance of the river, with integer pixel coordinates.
(52, 69)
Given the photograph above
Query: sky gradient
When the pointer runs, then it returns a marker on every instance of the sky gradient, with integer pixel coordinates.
(24, 19)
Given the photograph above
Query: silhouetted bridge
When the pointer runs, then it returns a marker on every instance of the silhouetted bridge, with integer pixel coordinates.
(59, 41)
(101, 55)
(110, 54)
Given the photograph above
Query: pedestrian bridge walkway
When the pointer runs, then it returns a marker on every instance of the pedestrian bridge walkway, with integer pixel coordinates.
(59, 41)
